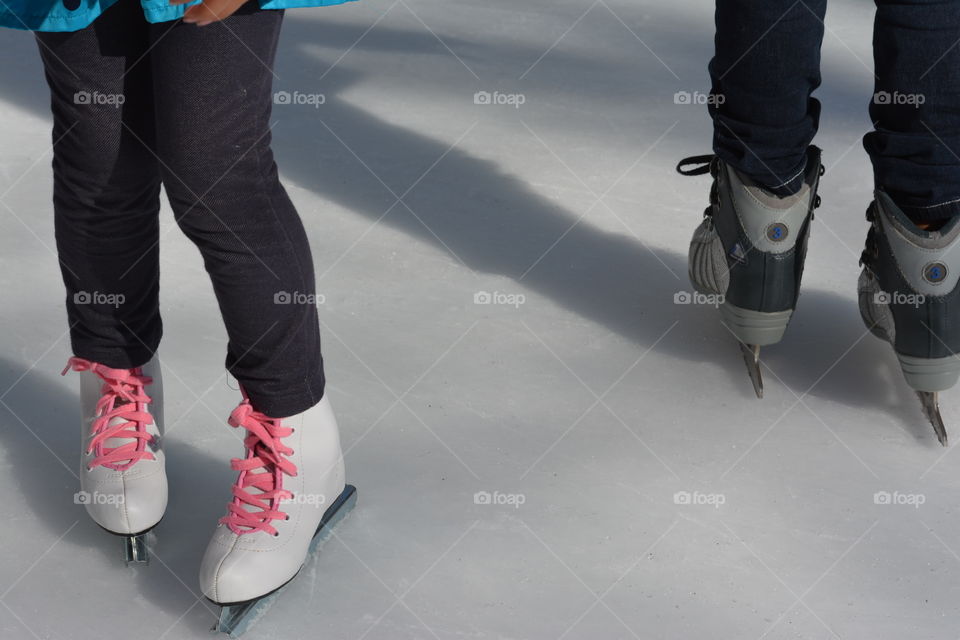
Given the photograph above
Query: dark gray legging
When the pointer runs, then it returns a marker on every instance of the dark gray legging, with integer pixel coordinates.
(194, 118)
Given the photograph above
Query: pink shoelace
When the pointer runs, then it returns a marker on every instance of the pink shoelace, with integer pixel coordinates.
(123, 396)
(264, 451)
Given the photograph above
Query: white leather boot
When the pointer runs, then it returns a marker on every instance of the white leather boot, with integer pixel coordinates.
(123, 484)
(289, 492)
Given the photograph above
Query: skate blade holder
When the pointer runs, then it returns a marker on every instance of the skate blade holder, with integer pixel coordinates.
(135, 550)
(236, 619)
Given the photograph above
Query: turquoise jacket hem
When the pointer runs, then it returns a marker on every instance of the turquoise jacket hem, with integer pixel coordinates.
(53, 15)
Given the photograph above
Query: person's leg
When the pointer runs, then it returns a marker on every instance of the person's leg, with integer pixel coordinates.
(748, 252)
(106, 186)
(213, 103)
(106, 205)
(915, 147)
(213, 98)
(766, 66)
(908, 290)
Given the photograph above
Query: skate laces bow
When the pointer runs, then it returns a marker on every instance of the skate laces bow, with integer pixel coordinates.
(123, 402)
(252, 512)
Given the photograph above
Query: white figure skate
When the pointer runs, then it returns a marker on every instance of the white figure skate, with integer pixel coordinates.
(123, 483)
(289, 494)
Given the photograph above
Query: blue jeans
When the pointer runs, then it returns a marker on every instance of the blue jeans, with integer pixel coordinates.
(767, 65)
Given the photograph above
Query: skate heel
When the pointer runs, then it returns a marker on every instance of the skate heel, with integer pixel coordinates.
(930, 374)
(755, 327)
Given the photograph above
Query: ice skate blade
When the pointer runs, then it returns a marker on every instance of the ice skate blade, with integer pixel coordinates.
(751, 358)
(931, 409)
(236, 619)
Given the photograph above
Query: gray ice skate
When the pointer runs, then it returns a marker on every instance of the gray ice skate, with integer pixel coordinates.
(750, 250)
(909, 297)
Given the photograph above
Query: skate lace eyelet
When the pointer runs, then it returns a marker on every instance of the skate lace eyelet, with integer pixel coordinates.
(276, 534)
(287, 518)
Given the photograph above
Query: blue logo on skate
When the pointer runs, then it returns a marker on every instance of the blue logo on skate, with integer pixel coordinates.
(935, 272)
(777, 232)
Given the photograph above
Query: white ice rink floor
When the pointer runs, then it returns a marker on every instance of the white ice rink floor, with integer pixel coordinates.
(587, 407)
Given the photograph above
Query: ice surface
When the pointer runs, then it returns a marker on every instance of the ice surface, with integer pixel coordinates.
(596, 400)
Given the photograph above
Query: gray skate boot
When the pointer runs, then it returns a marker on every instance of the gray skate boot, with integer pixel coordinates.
(749, 250)
(909, 297)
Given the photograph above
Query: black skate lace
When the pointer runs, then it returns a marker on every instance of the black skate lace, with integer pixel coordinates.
(710, 163)
(702, 165)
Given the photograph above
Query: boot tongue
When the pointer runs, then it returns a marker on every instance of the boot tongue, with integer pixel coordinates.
(256, 491)
(113, 443)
